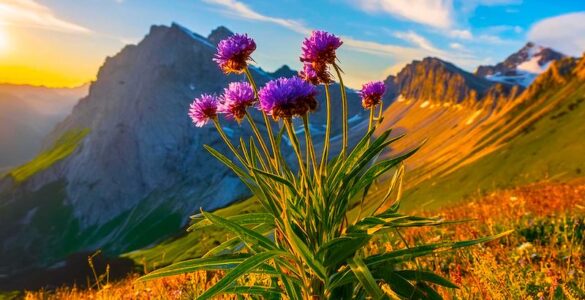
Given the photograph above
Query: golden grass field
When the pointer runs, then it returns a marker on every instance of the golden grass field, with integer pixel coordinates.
(543, 259)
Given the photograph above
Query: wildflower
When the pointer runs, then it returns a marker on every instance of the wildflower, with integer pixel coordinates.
(202, 109)
(287, 97)
(315, 75)
(372, 93)
(319, 48)
(234, 52)
(237, 97)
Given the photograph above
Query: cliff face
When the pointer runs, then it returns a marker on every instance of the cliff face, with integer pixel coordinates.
(435, 80)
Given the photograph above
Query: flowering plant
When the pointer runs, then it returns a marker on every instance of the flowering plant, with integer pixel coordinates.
(311, 238)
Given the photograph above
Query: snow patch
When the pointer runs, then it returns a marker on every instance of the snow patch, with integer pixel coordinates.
(193, 35)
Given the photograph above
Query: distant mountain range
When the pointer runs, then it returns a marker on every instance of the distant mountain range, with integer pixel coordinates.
(27, 115)
(126, 168)
(521, 67)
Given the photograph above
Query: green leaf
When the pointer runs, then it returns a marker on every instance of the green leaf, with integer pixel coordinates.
(406, 254)
(253, 290)
(245, 267)
(301, 249)
(246, 219)
(365, 277)
(210, 263)
(400, 285)
(426, 276)
(248, 236)
(338, 249)
(279, 179)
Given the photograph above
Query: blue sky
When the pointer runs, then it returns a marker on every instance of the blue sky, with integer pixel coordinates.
(380, 36)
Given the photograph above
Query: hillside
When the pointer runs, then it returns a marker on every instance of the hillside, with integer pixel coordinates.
(27, 115)
(535, 137)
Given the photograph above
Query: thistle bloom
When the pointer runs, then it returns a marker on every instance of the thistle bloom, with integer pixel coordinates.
(287, 97)
(319, 48)
(372, 93)
(202, 109)
(234, 52)
(236, 98)
(310, 74)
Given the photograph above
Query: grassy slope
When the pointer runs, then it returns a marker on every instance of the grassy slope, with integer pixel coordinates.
(550, 148)
(62, 148)
(192, 244)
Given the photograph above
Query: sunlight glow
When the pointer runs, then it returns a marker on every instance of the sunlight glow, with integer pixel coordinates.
(4, 41)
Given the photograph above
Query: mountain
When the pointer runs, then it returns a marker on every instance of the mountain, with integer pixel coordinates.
(521, 67)
(27, 115)
(433, 81)
(126, 168)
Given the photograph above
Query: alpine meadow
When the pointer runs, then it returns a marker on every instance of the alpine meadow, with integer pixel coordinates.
(369, 149)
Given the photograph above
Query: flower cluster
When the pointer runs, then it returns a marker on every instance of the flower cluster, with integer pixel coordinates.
(234, 52)
(318, 51)
(203, 109)
(237, 97)
(371, 93)
(283, 98)
(287, 97)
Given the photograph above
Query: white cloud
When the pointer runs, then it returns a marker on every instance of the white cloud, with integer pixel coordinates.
(434, 13)
(463, 34)
(29, 13)
(239, 9)
(456, 46)
(563, 33)
(417, 40)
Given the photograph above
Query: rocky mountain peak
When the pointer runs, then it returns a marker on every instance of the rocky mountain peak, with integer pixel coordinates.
(522, 67)
(219, 34)
(433, 79)
(284, 71)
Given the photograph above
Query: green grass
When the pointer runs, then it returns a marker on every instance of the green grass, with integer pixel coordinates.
(191, 244)
(551, 148)
(62, 148)
(10, 295)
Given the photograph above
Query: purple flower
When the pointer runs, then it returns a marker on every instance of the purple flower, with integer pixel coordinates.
(235, 99)
(372, 93)
(319, 48)
(310, 74)
(234, 52)
(202, 109)
(287, 97)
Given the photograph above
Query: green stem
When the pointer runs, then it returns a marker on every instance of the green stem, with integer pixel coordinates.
(228, 142)
(260, 139)
(275, 151)
(343, 110)
(296, 146)
(326, 142)
(310, 147)
(380, 112)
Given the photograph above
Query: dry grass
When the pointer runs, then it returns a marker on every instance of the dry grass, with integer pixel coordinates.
(543, 259)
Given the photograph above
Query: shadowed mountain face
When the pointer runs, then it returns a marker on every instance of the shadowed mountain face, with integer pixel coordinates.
(127, 167)
(27, 115)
